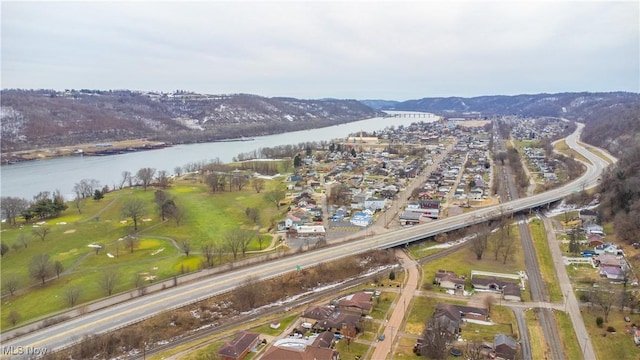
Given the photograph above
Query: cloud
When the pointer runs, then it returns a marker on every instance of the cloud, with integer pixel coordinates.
(398, 50)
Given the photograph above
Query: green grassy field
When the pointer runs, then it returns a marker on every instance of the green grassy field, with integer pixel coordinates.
(568, 338)
(208, 217)
(464, 260)
(618, 345)
(547, 268)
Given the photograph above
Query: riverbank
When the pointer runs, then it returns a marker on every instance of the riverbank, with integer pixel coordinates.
(89, 149)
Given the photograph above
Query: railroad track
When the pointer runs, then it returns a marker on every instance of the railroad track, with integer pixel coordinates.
(313, 297)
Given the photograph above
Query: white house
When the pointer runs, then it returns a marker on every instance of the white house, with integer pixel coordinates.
(375, 204)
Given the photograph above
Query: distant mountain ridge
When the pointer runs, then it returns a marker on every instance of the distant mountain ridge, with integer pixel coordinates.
(40, 118)
(569, 105)
(612, 119)
(43, 118)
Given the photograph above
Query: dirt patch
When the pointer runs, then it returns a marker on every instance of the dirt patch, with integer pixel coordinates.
(71, 231)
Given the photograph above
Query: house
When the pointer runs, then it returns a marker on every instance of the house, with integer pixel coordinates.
(325, 339)
(375, 204)
(409, 218)
(300, 353)
(449, 280)
(608, 249)
(594, 229)
(511, 292)
(608, 260)
(476, 194)
(346, 322)
(239, 347)
(451, 316)
(595, 240)
(612, 272)
(445, 319)
(311, 230)
(358, 201)
(317, 313)
(505, 347)
(361, 219)
(360, 301)
(588, 216)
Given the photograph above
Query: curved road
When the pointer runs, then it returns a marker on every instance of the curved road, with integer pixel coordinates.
(66, 333)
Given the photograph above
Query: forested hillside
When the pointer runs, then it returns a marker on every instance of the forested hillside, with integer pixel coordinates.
(36, 118)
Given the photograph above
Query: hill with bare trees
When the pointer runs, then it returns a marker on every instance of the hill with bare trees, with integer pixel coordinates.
(42, 118)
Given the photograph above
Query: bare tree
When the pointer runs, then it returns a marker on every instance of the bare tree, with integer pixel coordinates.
(605, 298)
(215, 181)
(473, 350)
(207, 252)
(108, 280)
(126, 178)
(178, 214)
(58, 267)
(41, 232)
(72, 294)
(163, 179)
(233, 241)
(480, 240)
(508, 247)
(164, 203)
(145, 176)
(10, 283)
(239, 180)
(253, 214)
(186, 247)
(177, 170)
(23, 240)
(135, 209)
(258, 185)
(86, 188)
(12, 207)
(260, 240)
(139, 283)
(442, 238)
(219, 249)
(41, 267)
(79, 203)
(132, 242)
(488, 302)
(14, 317)
(437, 336)
(274, 197)
(247, 295)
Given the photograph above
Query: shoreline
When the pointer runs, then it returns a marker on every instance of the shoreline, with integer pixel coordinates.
(98, 149)
(94, 149)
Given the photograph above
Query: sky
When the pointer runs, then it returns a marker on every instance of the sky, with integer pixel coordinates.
(323, 49)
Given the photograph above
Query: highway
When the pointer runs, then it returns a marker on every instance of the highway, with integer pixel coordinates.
(64, 334)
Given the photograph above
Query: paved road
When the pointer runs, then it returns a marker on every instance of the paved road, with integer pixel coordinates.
(129, 311)
(572, 306)
(395, 320)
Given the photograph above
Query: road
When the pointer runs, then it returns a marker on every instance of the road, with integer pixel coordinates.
(122, 314)
(571, 303)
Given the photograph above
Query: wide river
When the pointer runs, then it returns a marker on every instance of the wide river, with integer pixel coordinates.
(27, 179)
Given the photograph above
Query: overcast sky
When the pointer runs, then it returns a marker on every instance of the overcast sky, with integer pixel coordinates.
(361, 50)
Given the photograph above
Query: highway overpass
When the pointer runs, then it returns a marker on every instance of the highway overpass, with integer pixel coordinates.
(122, 314)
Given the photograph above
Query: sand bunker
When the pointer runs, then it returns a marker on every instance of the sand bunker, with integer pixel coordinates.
(70, 231)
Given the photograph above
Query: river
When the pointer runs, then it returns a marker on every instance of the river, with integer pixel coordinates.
(27, 179)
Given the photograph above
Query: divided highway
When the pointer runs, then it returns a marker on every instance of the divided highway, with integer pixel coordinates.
(68, 332)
